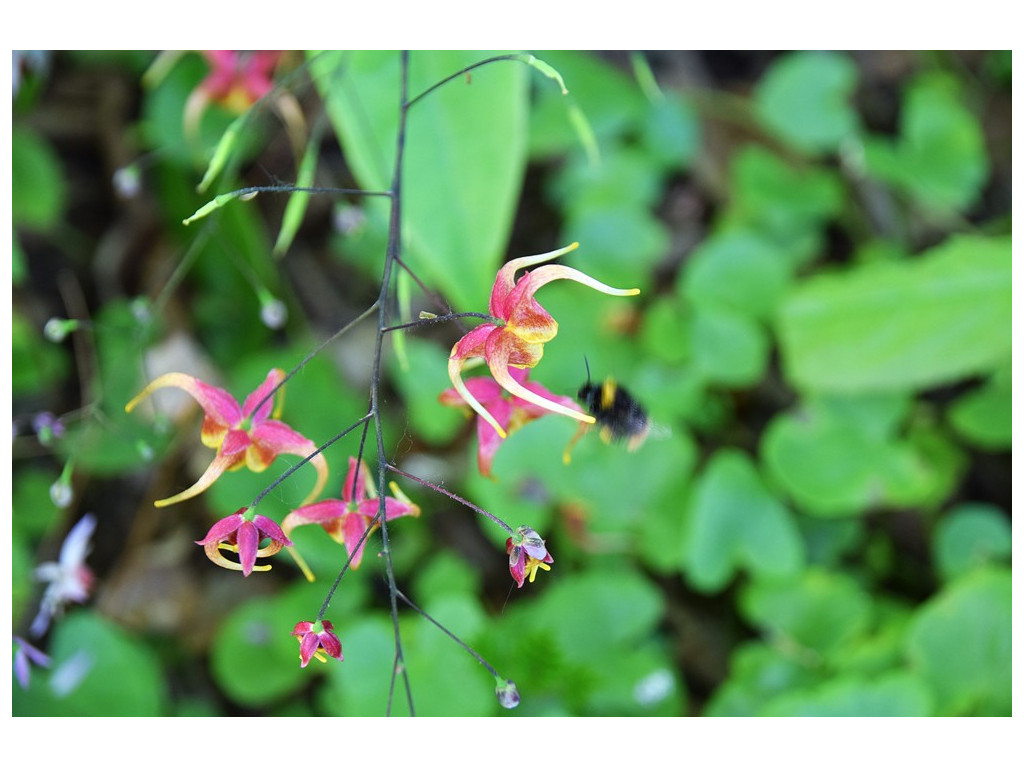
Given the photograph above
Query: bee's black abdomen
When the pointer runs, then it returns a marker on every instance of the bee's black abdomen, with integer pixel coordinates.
(617, 412)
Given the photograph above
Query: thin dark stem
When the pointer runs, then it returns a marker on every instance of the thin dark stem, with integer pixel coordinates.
(470, 68)
(348, 563)
(278, 188)
(441, 319)
(448, 632)
(455, 497)
(394, 247)
(314, 352)
(288, 472)
(434, 295)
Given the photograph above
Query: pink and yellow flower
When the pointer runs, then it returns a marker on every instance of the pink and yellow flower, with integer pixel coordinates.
(522, 326)
(242, 435)
(527, 554)
(236, 81)
(347, 519)
(317, 640)
(242, 532)
(511, 412)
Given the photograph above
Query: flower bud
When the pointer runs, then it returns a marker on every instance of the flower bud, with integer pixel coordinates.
(61, 494)
(507, 693)
(273, 313)
(127, 181)
(57, 329)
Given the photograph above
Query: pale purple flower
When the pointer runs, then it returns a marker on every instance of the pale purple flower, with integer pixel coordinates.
(24, 657)
(69, 579)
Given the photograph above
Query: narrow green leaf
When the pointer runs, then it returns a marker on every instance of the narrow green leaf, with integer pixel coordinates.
(298, 201)
(222, 153)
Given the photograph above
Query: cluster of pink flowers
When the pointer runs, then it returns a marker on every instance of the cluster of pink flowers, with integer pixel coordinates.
(250, 435)
(511, 343)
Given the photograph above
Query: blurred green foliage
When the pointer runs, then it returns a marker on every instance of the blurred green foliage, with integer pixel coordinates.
(818, 523)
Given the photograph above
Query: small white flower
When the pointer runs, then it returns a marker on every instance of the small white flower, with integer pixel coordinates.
(69, 579)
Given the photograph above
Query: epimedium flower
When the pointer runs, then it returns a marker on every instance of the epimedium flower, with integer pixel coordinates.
(527, 554)
(242, 532)
(520, 329)
(511, 412)
(242, 434)
(346, 519)
(236, 81)
(69, 579)
(317, 640)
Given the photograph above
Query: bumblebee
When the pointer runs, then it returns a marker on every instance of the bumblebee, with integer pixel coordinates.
(616, 412)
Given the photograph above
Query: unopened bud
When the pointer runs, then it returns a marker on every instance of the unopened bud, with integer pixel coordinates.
(127, 181)
(273, 313)
(145, 450)
(47, 427)
(61, 494)
(507, 693)
(141, 309)
(348, 219)
(424, 315)
(58, 328)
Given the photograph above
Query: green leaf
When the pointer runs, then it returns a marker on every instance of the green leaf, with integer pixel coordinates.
(785, 201)
(728, 348)
(625, 178)
(257, 636)
(736, 522)
(446, 681)
(841, 456)
(107, 672)
(960, 642)
(738, 270)
(671, 132)
(642, 682)
(598, 614)
(804, 99)
(821, 611)
(37, 182)
(663, 332)
(619, 245)
(465, 155)
(36, 364)
(896, 694)
(983, 416)
(889, 326)
(970, 536)
(826, 465)
(358, 687)
(940, 157)
(298, 201)
(758, 672)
